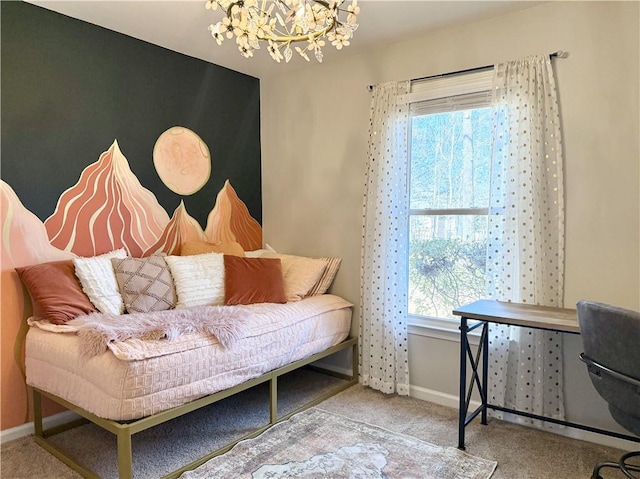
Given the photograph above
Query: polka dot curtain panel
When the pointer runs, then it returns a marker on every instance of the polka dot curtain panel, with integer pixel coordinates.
(384, 274)
(525, 248)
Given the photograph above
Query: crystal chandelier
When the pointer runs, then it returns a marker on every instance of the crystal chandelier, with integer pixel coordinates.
(280, 23)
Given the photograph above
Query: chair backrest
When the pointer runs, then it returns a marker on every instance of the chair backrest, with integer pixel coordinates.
(611, 338)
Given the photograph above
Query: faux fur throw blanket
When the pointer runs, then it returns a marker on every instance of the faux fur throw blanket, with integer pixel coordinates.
(226, 323)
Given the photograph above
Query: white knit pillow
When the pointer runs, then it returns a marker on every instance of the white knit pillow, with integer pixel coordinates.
(98, 281)
(199, 279)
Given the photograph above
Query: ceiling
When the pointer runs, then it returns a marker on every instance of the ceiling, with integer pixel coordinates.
(181, 25)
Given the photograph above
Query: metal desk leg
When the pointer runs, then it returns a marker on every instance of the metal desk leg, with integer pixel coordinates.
(463, 381)
(485, 372)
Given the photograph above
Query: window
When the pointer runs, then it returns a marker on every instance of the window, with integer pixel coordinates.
(450, 151)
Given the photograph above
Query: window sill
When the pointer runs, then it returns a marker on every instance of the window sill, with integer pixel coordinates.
(443, 329)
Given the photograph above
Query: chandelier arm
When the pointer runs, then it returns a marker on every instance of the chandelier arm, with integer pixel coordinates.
(251, 21)
(288, 39)
(302, 38)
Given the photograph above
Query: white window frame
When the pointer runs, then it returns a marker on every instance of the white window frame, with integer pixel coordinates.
(432, 89)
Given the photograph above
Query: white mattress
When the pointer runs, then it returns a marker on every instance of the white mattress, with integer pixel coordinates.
(123, 390)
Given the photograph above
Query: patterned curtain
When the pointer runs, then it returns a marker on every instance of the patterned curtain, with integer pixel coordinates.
(525, 254)
(384, 271)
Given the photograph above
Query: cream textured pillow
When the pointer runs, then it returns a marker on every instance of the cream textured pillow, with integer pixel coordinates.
(256, 253)
(145, 284)
(323, 284)
(300, 274)
(190, 248)
(98, 281)
(199, 279)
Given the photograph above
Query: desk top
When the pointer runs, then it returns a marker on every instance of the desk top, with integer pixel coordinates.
(519, 314)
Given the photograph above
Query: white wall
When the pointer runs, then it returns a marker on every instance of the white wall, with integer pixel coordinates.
(314, 139)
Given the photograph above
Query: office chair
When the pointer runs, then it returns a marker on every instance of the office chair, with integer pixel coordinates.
(611, 341)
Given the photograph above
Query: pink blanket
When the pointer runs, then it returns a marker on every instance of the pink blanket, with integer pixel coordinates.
(97, 330)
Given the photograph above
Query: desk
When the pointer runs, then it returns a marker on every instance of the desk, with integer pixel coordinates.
(513, 314)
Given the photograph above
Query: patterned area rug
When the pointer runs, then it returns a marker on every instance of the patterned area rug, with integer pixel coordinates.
(318, 444)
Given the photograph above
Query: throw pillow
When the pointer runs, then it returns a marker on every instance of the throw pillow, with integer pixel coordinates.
(99, 281)
(300, 274)
(253, 280)
(324, 283)
(199, 279)
(145, 284)
(55, 290)
(200, 247)
(256, 253)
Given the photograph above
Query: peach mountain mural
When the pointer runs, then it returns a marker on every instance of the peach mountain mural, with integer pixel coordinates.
(180, 229)
(230, 221)
(106, 209)
(24, 242)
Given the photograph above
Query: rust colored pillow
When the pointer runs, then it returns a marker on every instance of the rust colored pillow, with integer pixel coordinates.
(200, 247)
(55, 290)
(253, 280)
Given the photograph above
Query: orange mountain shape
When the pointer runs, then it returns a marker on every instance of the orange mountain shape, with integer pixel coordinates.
(24, 237)
(24, 243)
(229, 220)
(180, 229)
(107, 209)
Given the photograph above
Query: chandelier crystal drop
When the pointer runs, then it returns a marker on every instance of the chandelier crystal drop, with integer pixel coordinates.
(281, 23)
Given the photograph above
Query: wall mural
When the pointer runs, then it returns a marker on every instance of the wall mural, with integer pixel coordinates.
(182, 160)
(107, 209)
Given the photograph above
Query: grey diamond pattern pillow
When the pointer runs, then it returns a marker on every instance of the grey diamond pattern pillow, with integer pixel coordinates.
(145, 284)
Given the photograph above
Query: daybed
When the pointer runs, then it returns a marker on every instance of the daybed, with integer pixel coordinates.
(139, 380)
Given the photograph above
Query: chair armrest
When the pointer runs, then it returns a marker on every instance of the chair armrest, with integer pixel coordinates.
(599, 367)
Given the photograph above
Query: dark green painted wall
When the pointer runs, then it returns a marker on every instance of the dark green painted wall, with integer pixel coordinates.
(70, 88)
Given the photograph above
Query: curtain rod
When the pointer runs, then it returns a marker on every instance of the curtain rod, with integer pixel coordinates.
(558, 54)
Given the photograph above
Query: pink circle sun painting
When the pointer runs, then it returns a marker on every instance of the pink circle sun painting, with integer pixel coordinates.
(182, 160)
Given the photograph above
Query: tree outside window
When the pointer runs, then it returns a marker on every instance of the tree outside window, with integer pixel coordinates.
(449, 196)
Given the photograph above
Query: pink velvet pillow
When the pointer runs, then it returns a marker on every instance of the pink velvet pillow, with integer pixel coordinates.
(253, 280)
(55, 290)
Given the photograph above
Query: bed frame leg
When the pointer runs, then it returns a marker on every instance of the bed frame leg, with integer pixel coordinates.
(355, 362)
(125, 458)
(37, 414)
(273, 402)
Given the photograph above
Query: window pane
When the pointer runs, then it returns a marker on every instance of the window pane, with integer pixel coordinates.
(447, 258)
(450, 159)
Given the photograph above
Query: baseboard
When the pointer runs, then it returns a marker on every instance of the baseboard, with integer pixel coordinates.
(438, 397)
(333, 368)
(449, 400)
(27, 429)
(597, 438)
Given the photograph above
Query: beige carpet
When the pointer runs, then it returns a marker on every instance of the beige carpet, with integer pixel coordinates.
(521, 453)
(318, 444)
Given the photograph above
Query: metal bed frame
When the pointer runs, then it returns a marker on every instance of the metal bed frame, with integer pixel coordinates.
(125, 430)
